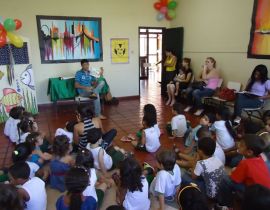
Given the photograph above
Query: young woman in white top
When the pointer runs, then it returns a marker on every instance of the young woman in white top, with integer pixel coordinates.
(32, 191)
(132, 186)
(224, 132)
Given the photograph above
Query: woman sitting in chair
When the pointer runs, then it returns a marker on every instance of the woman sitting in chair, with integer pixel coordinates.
(180, 81)
(210, 77)
(257, 90)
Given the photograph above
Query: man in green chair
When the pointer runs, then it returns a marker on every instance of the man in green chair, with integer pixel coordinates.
(88, 86)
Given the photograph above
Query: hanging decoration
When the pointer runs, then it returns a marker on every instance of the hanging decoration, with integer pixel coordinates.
(7, 33)
(166, 9)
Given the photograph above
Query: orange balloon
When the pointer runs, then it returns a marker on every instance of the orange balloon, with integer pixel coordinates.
(3, 40)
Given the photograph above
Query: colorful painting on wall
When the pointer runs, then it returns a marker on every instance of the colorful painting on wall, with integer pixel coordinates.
(20, 93)
(259, 44)
(69, 39)
(120, 50)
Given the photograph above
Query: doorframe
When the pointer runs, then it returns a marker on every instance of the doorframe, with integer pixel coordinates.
(147, 27)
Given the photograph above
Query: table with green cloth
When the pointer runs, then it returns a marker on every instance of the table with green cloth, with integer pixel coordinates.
(61, 89)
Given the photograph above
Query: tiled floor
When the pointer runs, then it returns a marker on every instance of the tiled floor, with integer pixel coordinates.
(126, 118)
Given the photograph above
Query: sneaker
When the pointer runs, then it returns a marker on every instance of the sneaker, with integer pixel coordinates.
(187, 109)
(147, 167)
(199, 112)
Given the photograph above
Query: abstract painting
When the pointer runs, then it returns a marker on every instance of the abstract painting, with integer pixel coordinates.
(69, 39)
(120, 50)
(259, 44)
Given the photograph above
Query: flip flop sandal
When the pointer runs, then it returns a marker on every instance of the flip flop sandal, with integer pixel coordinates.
(131, 137)
(93, 96)
(125, 139)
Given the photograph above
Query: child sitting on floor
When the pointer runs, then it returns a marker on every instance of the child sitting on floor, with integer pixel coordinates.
(168, 179)
(223, 128)
(67, 130)
(35, 139)
(266, 151)
(132, 186)
(32, 191)
(251, 170)
(22, 153)
(61, 162)
(10, 198)
(208, 167)
(190, 197)
(76, 181)
(95, 189)
(191, 141)
(103, 160)
(150, 136)
(178, 122)
(11, 129)
(25, 127)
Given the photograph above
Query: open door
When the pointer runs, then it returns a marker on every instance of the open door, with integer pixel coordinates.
(172, 39)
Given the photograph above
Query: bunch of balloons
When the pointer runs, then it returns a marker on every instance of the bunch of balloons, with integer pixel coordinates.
(166, 9)
(6, 31)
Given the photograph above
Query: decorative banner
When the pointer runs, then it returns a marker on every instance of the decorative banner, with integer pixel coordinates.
(120, 50)
(69, 39)
(20, 93)
(259, 44)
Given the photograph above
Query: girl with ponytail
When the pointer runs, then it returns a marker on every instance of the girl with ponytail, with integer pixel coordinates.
(76, 181)
(225, 133)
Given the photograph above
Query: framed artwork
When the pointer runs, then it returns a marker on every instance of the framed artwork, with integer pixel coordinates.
(120, 50)
(69, 39)
(259, 44)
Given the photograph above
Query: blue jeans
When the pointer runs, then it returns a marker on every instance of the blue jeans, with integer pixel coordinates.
(226, 191)
(243, 101)
(96, 101)
(195, 96)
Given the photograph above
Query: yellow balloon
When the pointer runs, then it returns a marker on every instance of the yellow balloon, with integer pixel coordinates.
(15, 40)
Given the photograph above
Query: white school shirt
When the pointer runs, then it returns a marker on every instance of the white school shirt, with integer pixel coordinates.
(11, 129)
(90, 189)
(151, 139)
(138, 200)
(166, 182)
(212, 171)
(179, 125)
(157, 129)
(106, 158)
(219, 153)
(223, 136)
(35, 188)
(61, 131)
(23, 137)
(33, 168)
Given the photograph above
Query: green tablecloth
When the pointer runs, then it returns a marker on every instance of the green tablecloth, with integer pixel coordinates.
(60, 89)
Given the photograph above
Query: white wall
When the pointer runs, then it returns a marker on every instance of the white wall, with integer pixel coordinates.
(218, 28)
(120, 19)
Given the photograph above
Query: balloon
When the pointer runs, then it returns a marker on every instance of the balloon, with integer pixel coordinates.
(160, 16)
(171, 14)
(9, 24)
(167, 17)
(15, 40)
(163, 10)
(3, 40)
(172, 5)
(2, 30)
(18, 23)
(164, 2)
(157, 5)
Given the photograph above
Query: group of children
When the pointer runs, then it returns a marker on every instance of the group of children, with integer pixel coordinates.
(79, 160)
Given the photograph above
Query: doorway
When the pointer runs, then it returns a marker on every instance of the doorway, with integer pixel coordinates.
(150, 48)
